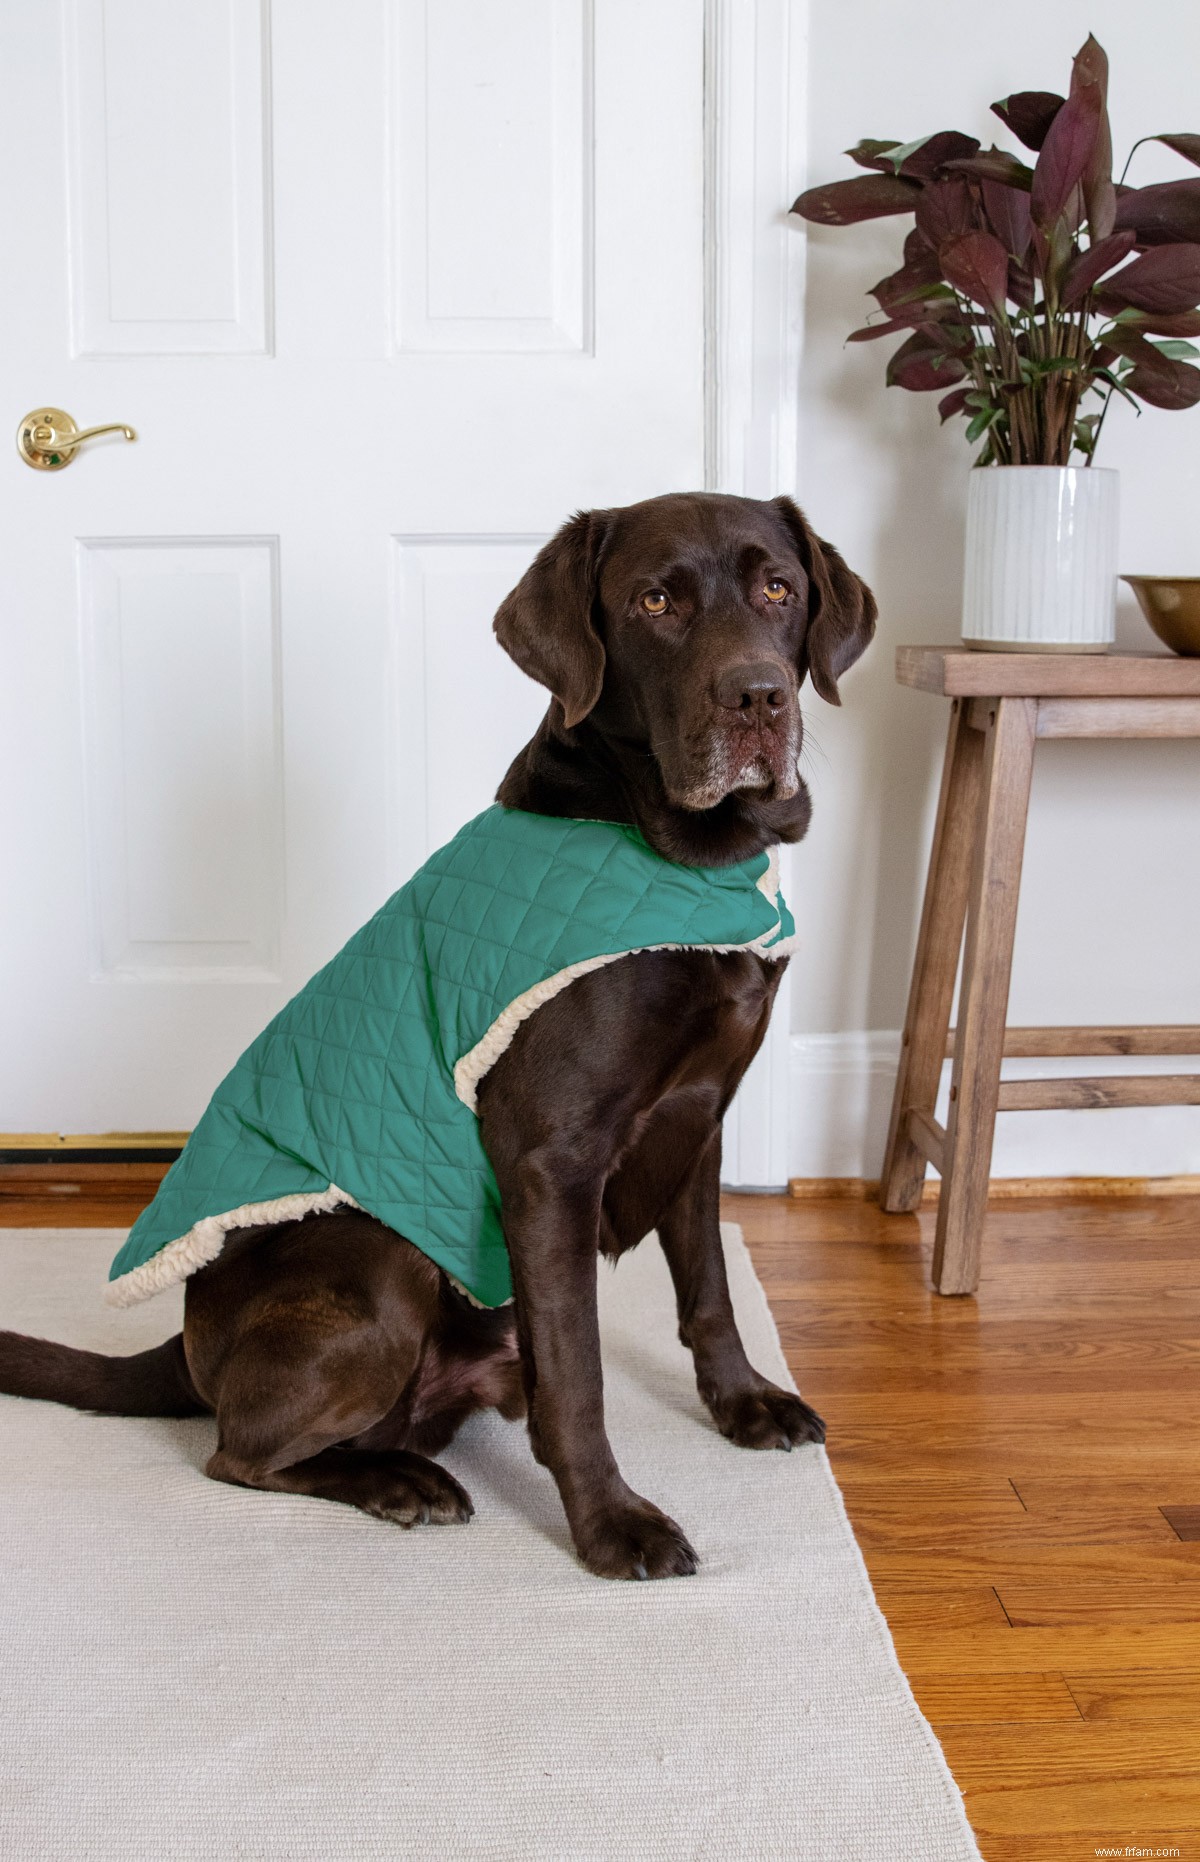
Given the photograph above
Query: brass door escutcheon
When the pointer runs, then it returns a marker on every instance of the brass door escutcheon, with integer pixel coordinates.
(48, 439)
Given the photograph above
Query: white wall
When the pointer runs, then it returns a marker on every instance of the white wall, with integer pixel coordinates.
(1110, 912)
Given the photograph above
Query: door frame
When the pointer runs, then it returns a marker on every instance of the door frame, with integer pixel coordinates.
(755, 129)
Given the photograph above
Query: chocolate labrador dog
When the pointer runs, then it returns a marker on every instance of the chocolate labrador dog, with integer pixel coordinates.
(674, 636)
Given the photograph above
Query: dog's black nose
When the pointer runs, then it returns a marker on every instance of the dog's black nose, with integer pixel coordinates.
(759, 689)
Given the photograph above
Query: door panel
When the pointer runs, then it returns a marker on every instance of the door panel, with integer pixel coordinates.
(183, 759)
(489, 109)
(461, 731)
(166, 121)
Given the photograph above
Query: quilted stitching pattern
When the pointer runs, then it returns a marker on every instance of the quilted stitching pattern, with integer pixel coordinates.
(352, 1082)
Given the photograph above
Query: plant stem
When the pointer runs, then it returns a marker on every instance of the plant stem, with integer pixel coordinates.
(1133, 151)
(1100, 426)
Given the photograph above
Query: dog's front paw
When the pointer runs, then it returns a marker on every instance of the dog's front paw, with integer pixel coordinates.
(766, 1418)
(635, 1540)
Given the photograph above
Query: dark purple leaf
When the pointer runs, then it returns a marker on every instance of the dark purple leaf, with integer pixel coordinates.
(953, 404)
(1029, 115)
(868, 197)
(922, 364)
(934, 152)
(1183, 144)
(1087, 267)
(994, 165)
(977, 265)
(944, 210)
(869, 154)
(1162, 214)
(1167, 278)
(1089, 74)
(1021, 287)
(869, 331)
(916, 247)
(1007, 209)
(1155, 323)
(901, 287)
(1175, 386)
(1099, 195)
(959, 338)
(1068, 148)
(1122, 339)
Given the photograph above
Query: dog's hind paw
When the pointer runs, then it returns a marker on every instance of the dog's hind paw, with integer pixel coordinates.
(421, 1496)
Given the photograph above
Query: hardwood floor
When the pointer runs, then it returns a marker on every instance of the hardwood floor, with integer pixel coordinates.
(1023, 1474)
(1022, 1471)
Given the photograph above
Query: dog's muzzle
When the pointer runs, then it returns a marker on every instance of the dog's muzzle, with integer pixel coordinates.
(752, 743)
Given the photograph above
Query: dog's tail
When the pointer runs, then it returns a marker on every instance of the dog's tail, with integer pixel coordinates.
(151, 1383)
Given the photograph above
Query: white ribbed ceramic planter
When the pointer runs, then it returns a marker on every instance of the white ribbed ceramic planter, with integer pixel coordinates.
(1041, 561)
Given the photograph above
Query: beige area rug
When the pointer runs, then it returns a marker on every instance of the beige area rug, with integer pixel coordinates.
(193, 1671)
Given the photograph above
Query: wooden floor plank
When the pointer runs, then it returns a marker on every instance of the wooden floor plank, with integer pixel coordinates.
(911, 1609)
(1184, 1521)
(1077, 1776)
(1134, 1815)
(1085, 1844)
(887, 1527)
(1041, 1606)
(974, 1699)
(1132, 1694)
(70, 1211)
(1000, 1562)
(1000, 1649)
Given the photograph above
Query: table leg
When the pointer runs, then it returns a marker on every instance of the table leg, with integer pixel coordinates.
(935, 966)
(983, 998)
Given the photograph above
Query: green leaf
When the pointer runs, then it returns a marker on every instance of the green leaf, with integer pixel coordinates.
(869, 152)
(1108, 376)
(900, 151)
(982, 421)
(1034, 367)
(1177, 350)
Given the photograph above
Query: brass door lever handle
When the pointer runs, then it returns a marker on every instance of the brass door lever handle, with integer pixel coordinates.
(48, 439)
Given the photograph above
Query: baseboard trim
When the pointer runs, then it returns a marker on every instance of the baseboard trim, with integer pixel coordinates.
(1001, 1189)
(105, 1148)
(66, 1176)
(841, 1094)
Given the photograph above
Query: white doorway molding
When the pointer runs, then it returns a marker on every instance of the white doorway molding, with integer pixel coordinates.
(755, 131)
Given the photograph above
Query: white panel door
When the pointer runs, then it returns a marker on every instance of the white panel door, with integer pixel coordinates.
(386, 289)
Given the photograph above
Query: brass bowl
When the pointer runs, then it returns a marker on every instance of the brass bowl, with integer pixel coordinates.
(1171, 604)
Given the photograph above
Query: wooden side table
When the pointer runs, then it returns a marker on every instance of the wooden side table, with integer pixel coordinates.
(1002, 704)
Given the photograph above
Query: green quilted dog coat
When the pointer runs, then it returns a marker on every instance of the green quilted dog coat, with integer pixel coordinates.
(362, 1089)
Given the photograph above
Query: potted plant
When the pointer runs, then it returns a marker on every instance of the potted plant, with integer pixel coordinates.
(1028, 297)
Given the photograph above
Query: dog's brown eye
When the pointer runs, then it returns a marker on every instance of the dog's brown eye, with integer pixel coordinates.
(655, 602)
(776, 591)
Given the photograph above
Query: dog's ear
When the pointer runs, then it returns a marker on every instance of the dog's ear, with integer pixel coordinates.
(841, 608)
(546, 622)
